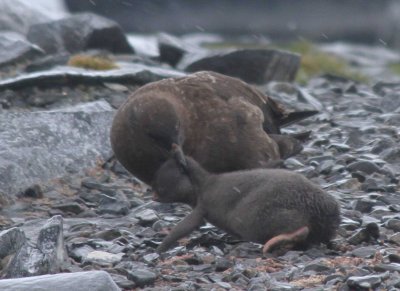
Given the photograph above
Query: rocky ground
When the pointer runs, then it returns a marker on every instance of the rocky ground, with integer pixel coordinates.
(69, 206)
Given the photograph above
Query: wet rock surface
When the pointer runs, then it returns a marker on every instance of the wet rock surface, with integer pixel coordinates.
(15, 48)
(42, 145)
(79, 281)
(20, 15)
(252, 66)
(44, 257)
(79, 32)
(55, 161)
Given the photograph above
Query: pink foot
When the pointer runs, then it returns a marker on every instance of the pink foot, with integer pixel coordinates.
(286, 240)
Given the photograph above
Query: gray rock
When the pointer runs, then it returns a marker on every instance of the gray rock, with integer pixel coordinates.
(225, 285)
(340, 147)
(88, 107)
(14, 48)
(36, 147)
(108, 234)
(394, 258)
(92, 183)
(391, 154)
(152, 257)
(79, 32)
(81, 281)
(11, 240)
(112, 205)
(395, 238)
(72, 207)
(19, 15)
(326, 167)
(80, 253)
(304, 96)
(172, 49)
(393, 224)
(103, 258)
(370, 232)
(391, 101)
(122, 282)
(144, 45)
(132, 73)
(393, 267)
(364, 282)
(222, 264)
(281, 286)
(382, 144)
(367, 167)
(147, 216)
(317, 267)
(364, 205)
(45, 257)
(47, 62)
(364, 252)
(142, 277)
(252, 66)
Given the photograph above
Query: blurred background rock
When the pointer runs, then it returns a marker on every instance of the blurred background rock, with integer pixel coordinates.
(361, 21)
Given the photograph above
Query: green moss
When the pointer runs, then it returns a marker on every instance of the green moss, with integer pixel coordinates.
(91, 62)
(314, 62)
(395, 68)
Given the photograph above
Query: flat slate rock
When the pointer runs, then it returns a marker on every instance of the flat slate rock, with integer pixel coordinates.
(256, 66)
(132, 74)
(79, 32)
(38, 146)
(80, 281)
(14, 48)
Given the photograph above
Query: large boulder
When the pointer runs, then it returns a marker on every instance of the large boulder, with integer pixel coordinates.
(256, 66)
(14, 48)
(79, 32)
(80, 281)
(172, 48)
(38, 146)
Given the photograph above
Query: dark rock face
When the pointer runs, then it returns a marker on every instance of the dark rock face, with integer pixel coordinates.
(80, 281)
(14, 48)
(79, 32)
(171, 49)
(252, 66)
(46, 256)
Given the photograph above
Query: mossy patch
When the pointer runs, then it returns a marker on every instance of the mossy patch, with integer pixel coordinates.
(92, 62)
(314, 62)
(395, 68)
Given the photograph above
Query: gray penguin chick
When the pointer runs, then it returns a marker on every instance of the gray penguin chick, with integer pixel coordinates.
(278, 208)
